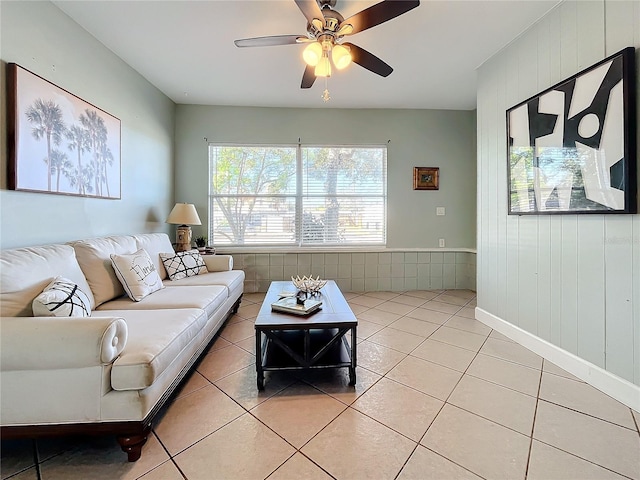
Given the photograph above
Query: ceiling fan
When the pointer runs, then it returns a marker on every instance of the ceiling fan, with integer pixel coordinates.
(326, 31)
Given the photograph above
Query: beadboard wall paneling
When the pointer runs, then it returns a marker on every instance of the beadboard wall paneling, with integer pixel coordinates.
(571, 280)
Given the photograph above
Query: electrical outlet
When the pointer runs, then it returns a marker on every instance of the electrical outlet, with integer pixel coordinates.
(441, 242)
(440, 211)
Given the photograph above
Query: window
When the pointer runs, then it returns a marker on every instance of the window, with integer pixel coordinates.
(297, 195)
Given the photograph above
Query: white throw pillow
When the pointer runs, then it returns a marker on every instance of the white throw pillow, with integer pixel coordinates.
(183, 264)
(137, 274)
(62, 298)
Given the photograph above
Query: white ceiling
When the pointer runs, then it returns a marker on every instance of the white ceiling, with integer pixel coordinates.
(185, 48)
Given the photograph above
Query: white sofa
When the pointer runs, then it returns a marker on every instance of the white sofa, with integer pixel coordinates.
(110, 372)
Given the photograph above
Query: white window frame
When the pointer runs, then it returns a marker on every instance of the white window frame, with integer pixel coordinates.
(298, 242)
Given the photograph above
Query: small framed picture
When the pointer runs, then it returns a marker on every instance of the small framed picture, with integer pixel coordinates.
(425, 178)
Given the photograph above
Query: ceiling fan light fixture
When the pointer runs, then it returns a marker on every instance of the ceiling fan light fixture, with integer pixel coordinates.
(326, 29)
(323, 69)
(318, 24)
(341, 56)
(345, 29)
(312, 54)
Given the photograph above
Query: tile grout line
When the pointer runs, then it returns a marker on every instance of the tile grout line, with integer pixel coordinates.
(588, 415)
(351, 407)
(36, 459)
(166, 408)
(37, 462)
(171, 459)
(405, 355)
(533, 424)
(584, 459)
(635, 420)
(444, 403)
(233, 420)
(299, 450)
(347, 407)
(538, 400)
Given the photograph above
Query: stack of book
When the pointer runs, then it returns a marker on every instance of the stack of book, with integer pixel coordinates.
(291, 305)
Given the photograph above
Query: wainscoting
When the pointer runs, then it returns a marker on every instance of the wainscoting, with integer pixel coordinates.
(395, 271)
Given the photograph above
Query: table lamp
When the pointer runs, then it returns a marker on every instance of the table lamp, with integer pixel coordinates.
(183, 215)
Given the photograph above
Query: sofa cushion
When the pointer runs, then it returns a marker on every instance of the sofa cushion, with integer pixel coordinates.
(155, 340)
(231, 279)
(94, 258)
(137, 274)
(25, 272)
(154, 243)
(62, 298)
(183, 264)
(207, 298)
(218, 263)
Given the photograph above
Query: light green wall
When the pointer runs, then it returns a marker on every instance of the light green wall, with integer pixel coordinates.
(423, 138)
(572, 280)
(42, 39)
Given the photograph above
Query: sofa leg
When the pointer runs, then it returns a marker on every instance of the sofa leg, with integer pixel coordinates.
(132, 444)
(235, 307)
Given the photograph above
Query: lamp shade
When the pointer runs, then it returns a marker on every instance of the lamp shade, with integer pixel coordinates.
(323, 69)
(340, 56)
(312, 54)
(184, 214)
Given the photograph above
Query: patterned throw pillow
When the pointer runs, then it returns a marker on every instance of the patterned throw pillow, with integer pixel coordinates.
(62, 298)
(137, 274)
(183, 264)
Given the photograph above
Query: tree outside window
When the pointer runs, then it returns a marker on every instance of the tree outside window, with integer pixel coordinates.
(297, 195)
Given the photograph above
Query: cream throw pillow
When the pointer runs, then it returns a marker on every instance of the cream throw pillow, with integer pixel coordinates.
(137, 274)
(62, 298)
(183, 264)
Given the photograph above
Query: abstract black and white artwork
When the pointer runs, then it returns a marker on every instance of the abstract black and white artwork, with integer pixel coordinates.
(572, 148)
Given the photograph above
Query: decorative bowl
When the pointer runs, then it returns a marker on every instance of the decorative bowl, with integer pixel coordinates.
(308, 284)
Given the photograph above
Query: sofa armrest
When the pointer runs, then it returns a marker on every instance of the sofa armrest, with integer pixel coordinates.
(46, 343)
(218, 263)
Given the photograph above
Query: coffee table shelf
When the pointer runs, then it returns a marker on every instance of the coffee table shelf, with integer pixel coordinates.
(306, 349)
(290, 342)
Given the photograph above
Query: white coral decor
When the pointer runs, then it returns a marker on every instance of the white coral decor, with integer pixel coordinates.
(308, 284)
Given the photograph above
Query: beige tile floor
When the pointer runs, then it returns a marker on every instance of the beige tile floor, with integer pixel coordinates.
(439, 396)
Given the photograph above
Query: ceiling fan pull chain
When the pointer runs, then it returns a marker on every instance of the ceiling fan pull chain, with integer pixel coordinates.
(325, 95)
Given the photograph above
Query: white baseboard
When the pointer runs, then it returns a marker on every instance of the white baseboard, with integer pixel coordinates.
(614, 386)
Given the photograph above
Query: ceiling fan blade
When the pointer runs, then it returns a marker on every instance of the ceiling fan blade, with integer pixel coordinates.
(379, 13)
(308, 77)
(311, 10)
(271, 41)
(368, 60)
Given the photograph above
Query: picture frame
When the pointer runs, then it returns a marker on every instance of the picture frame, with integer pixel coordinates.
(571, 149)
(59, 143)
(426, 178)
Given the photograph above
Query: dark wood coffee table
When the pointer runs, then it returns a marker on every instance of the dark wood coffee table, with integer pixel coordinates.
(292, 342)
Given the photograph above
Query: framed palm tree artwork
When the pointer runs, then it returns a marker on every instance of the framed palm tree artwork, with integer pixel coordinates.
(59, 143)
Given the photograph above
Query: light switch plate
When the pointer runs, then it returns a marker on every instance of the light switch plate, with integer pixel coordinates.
(441, 242)
(439, 211)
